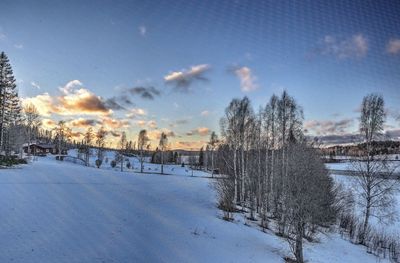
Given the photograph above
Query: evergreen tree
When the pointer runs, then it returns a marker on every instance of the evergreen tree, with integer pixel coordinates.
(201, 157)
(10, 108)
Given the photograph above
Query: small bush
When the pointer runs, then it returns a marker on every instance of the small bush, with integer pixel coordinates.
(10, 161)
(128, 165)
(98, 163)
(113, 163)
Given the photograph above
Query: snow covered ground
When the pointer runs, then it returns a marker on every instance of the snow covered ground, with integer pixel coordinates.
(395, 165)
(55, 211)
(135, 165)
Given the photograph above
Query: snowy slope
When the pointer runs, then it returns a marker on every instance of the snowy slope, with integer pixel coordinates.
(63, 212)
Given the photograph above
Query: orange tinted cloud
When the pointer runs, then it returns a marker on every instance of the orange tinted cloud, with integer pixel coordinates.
(73, 100)
(188, 145)
(202, 131)
(110, 123)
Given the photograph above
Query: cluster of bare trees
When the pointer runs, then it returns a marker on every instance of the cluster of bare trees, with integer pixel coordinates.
(269, 170)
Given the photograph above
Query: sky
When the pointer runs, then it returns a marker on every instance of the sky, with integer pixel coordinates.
(174, 66)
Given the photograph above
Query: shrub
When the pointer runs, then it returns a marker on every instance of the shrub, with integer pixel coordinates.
(113, 163)
(9, 161)
(98, 163)
(128, 165)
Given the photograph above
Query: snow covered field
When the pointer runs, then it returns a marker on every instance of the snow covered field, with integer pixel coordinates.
(387, 226)
(395, 165)
(55, 211)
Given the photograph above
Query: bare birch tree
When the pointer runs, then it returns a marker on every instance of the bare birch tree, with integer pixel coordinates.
(142, 144)
(372, 171)
(32, 122)
(162, 145)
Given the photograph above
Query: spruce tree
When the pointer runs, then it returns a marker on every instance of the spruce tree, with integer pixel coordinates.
(10, 108)
(201, 157)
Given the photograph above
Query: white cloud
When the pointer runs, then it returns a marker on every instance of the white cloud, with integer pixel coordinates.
(19, 46)
(135, 112)
(70, 86)
(248, 82)
(355, 46)
(205, 113)
(151, 124)
(393, 47)
(142, 30)
(35, 85)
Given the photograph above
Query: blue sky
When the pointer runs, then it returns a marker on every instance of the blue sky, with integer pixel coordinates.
(327, 54)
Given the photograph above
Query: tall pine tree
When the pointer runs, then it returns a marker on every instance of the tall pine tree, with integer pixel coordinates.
(10, 108)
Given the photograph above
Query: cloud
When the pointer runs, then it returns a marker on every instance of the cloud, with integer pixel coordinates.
(135, 112)
(83, 123)
(2, 35)
(35, 85)
(74, 100)
(151, 124)
(189, 145)
(70, 86)
(145, 92)
(111, 123)
(339, 139)
(156, 134)
(202, 131)
(118, 103)
(205, 113)
(248, 82)
(393, 46)
(19, 46)
(179, 122)
(392, 134)
(346, 138)
(355, 46)
(81, 101)
(142, 30)
(182, 80)
(48, 123)
(43, 102)
(328, 127)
